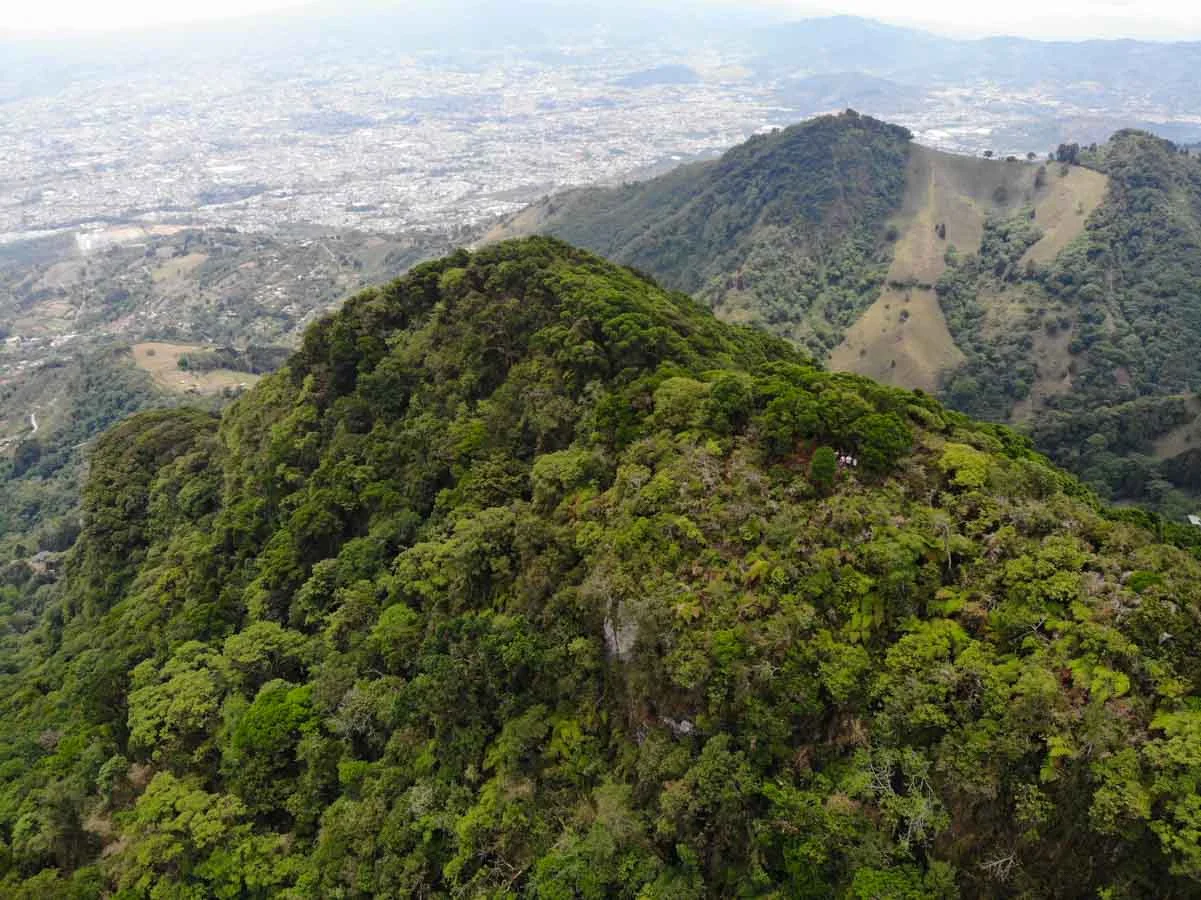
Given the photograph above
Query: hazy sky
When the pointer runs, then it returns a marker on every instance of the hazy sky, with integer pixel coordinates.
(115, 15)
(1155, 19)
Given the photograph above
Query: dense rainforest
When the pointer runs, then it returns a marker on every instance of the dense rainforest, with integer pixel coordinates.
(41, 473)
(526, 577)
(796, 230)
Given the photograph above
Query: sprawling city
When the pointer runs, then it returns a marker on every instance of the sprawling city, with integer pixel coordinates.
(424, 140)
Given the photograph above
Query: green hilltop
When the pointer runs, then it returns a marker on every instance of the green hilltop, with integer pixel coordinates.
(526, 577)
(1049, 294)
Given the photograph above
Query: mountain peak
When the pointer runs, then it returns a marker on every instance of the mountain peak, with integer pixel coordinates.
(525, 574)
(1007, 285)
(507, 300)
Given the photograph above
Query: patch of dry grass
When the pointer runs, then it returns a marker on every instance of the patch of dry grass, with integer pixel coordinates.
(161, 360)
(901, 340)
(948, 199)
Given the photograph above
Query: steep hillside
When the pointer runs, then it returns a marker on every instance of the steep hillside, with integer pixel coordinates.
(787, 230)
(834, 223)
(1105, 330)
(70, 402)
(76, 308)
(1052, 295)
(903, 337)
(525, 577)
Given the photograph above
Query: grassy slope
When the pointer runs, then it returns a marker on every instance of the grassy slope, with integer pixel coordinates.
(916, 350)
(743, 263)
(1063, 207)
(1096, 350)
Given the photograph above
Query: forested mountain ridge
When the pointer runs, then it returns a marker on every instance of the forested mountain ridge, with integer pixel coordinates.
(1133, 285)
(786, 230)
(107, 321)
(1051, 294)
(525, 577)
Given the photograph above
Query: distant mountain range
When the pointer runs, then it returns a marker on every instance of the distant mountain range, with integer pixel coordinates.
(1103, 84)
(1060, 90)
(842, 42)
